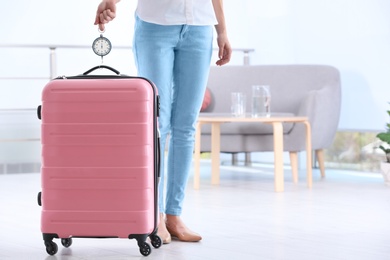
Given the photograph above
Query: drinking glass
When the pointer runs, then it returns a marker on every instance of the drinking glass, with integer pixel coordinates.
(261, 101)
(238, 104)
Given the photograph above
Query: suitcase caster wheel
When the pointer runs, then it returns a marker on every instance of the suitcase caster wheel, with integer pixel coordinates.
(51, 247)
(66, 242)
(156, 241)
(145, 249)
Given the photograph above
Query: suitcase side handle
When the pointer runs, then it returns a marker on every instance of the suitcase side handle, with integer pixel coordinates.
(101, 67)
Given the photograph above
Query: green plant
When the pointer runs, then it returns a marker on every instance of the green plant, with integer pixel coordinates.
(385, 138)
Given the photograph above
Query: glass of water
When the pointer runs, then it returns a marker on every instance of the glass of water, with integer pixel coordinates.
(238, 104)
(261, 101)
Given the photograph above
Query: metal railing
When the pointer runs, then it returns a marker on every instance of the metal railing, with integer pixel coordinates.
(53, 56)
(10, 140)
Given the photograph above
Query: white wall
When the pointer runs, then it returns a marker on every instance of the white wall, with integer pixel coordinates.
(352, 35)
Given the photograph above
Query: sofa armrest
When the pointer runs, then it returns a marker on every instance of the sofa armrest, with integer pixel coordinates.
(322, 107)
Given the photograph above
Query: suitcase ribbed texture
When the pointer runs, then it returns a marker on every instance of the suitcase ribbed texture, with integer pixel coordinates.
(98, 158)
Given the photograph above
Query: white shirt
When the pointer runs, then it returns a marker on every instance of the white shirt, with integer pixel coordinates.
(176, 12)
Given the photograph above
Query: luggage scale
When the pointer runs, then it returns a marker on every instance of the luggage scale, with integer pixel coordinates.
(101, 46)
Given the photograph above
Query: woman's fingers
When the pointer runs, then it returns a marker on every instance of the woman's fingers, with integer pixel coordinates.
(106, 12)
(106, 16)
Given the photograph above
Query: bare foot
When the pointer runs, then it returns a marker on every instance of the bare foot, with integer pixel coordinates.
(162, 231)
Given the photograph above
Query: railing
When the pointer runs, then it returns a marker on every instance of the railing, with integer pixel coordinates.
(19, 140)
(33, 111)
(53, 56)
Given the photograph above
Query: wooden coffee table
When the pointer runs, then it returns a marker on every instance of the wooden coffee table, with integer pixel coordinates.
(277, 124)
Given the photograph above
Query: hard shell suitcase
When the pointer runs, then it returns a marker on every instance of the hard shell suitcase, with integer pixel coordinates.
(100, 159)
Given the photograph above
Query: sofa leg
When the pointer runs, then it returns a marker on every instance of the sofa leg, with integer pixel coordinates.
(294, 165)
(321, 161)
(248, 160)
(234, 158)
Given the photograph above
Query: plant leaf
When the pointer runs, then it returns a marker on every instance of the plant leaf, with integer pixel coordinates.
(385, 137)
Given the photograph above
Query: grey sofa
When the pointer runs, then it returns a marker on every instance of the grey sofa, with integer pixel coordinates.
(305, 90)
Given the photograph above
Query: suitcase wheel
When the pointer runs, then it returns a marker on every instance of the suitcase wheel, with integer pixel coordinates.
(51, 247)
(156, 241)
(145, 249)
(66, 242)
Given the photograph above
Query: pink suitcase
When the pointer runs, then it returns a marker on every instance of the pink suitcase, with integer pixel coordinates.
(100, 159)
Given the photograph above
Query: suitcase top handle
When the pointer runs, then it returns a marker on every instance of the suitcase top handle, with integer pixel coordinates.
(101, 67)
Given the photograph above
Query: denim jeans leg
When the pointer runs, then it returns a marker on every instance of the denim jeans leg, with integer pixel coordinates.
(191, 67)
(177, 60)
(153, 53)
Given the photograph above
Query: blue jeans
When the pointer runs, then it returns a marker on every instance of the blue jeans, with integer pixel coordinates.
(177, 59)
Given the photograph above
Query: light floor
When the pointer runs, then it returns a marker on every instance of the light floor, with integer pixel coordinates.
(345, 216)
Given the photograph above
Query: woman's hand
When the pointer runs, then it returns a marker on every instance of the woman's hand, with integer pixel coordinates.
(105, 13)
(225, 50)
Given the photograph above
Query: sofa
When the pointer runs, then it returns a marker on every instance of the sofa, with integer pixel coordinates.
(313, 91)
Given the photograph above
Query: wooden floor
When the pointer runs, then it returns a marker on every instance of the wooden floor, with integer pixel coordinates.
(345, 216)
